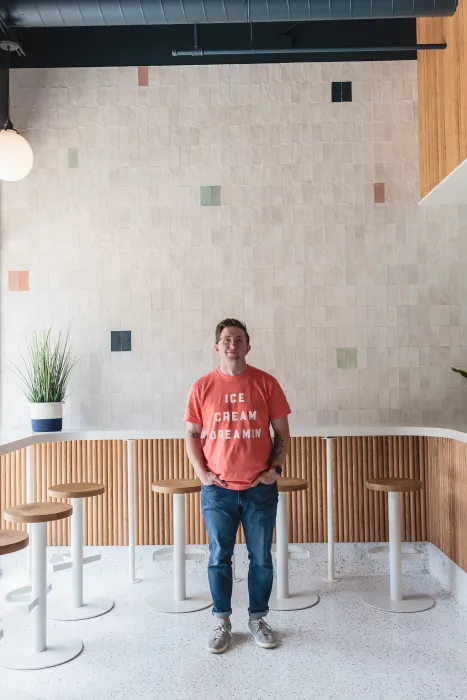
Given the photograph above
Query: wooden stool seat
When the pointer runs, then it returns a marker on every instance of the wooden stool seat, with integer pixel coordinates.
(38, 512)
(79, 490)
(290, 483)
(13, 541)
(177, 486)
(394, 485)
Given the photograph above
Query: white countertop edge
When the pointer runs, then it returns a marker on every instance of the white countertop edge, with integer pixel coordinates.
(10, 442)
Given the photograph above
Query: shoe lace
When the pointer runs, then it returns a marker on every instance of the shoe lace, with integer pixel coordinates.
(261, 626)
(220, 630)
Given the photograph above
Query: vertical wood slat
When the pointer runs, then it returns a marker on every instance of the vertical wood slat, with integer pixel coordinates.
(439, 513)
(442, 97)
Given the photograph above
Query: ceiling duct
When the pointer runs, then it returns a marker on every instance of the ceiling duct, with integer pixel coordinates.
(98, 13)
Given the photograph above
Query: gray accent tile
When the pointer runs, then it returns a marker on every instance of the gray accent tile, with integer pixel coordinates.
(341, 358)
(210, 195)
(120, 341)
(346, 358)
(72, 157)
(351, 358)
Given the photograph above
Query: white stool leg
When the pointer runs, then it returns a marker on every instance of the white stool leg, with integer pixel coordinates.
(395, 555)
(39, 585)
(59, 608)
(395, 601)
(283, 600)
(235, 578)
(331, 577)
(282, 548)
(29, 499)
(131, 511)
(179, 547)
(77, 551)
(174, 599)
(58, 651)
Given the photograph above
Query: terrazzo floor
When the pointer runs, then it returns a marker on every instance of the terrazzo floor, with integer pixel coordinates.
(339, 649)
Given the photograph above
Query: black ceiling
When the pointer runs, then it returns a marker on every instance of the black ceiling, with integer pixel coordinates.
(153, 45)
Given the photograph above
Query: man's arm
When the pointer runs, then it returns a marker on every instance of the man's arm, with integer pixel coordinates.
(194, 450)
(280, 448)
(281, 442)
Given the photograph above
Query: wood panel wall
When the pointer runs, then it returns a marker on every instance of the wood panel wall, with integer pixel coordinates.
(442, 97)
(447, 498)
(360, 515)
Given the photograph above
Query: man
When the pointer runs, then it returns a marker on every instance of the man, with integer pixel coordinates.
(238, 466)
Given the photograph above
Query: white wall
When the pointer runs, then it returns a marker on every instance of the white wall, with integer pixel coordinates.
(298, 248)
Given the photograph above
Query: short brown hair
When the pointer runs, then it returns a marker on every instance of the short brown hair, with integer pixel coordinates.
(233, 322)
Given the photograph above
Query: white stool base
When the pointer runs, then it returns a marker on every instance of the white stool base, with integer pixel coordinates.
(412, 603)
(59, 650)
(162, 599)
(295, 601)
(9, 694)
(331, 580)
(61, 609)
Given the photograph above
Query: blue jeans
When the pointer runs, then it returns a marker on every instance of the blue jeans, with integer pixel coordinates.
(223, 511)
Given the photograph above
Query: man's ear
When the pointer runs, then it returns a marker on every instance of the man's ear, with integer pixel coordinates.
(216, 347)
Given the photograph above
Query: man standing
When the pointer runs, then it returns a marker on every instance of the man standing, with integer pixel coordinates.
(238, 466)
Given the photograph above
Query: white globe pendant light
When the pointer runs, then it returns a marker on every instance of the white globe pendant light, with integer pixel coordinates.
(16, 155)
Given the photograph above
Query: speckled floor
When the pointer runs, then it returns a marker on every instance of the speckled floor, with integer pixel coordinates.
(339, 649)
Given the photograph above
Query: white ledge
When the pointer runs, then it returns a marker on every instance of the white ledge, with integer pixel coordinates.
(9, 442)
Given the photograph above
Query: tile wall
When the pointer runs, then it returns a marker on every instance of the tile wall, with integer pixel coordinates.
(165, 199)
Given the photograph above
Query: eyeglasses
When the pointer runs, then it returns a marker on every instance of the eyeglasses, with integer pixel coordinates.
(235, 341)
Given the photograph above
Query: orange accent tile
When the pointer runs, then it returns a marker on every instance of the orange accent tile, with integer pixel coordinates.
(12, 281)
(380, 195)
(23, 281)
(18, 281)
(143, 76)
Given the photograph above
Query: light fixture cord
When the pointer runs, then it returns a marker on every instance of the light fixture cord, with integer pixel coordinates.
(8, 124)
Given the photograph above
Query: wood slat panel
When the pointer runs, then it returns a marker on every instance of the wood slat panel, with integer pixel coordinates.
(447, 498)
(442, 97)
(360, 515)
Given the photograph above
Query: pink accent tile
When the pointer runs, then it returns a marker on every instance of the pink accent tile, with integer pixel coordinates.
(143, 76)
(380, 195)
(18, 281)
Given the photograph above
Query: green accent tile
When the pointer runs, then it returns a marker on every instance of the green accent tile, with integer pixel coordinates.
(341, 358)
(72, 157)
(351, 358)
(210, 195)
(346, 358)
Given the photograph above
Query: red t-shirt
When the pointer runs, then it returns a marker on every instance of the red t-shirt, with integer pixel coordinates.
(235, 413)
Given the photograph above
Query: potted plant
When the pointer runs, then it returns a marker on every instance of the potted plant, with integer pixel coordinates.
(44, 374)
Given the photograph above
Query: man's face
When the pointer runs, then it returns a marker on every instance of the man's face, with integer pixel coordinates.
(232, 344)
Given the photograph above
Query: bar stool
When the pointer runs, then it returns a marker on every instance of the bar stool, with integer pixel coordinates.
(46, 650)
(173, 598)
(76, 608)
(396, 601)
(12, 541)
(282, 599)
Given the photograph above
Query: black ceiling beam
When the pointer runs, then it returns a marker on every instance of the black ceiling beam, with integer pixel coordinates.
(153, 45)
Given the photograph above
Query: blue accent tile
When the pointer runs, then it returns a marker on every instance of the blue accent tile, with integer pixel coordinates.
(336, 92)
(126, 341)
(120, 341)
(346, 92)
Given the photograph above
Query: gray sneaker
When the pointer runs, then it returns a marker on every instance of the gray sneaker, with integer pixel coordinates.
(262, 633)
(219, 639)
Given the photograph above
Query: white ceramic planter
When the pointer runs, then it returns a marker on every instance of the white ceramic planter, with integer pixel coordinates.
(46, 417)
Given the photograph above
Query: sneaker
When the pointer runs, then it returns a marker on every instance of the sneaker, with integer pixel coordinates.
(262, 633)
(219, 639)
